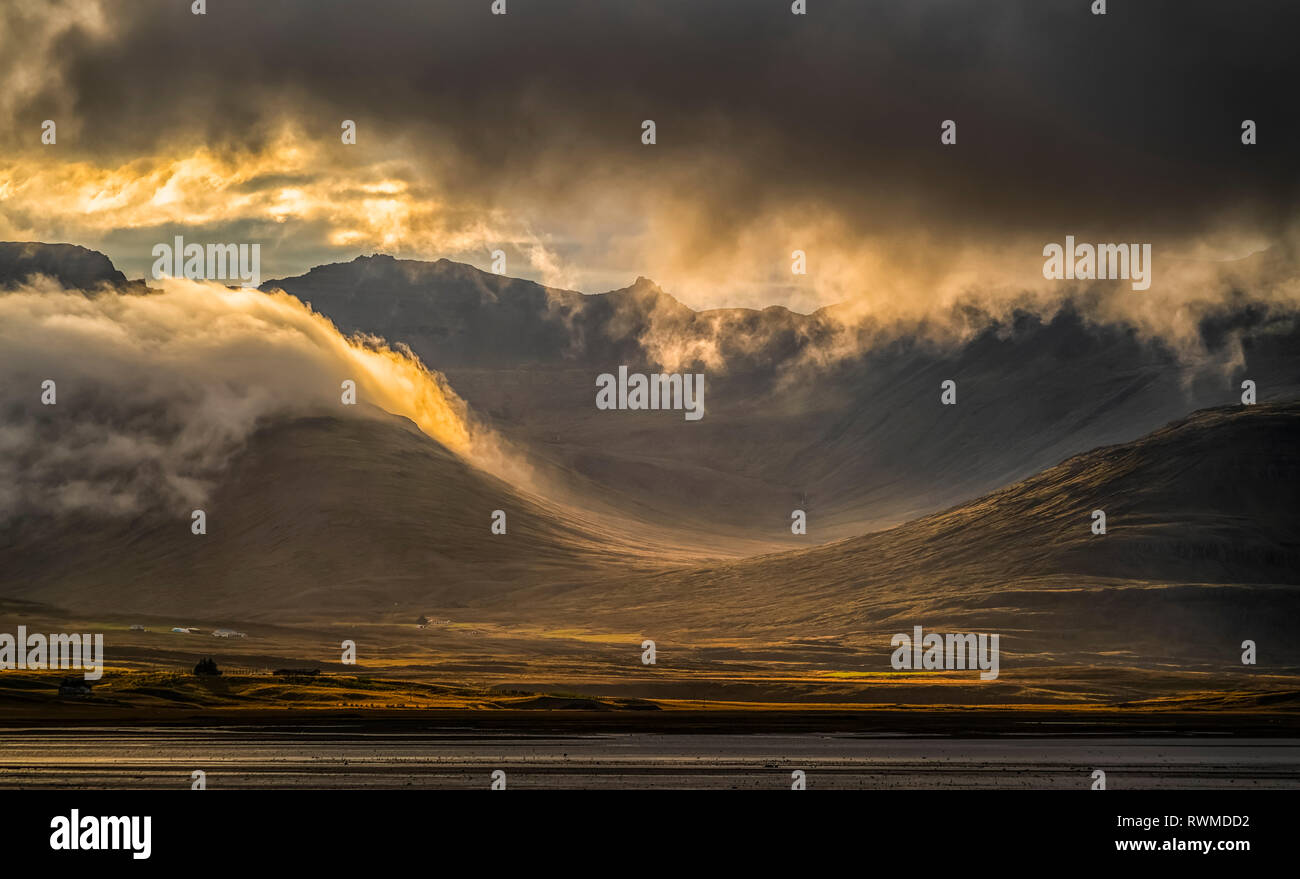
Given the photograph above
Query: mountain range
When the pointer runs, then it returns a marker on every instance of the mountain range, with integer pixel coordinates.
(976, 516)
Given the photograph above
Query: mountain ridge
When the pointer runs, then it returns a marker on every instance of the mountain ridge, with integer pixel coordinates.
(861, 441)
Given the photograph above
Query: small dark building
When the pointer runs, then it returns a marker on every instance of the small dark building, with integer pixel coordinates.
(76, 688)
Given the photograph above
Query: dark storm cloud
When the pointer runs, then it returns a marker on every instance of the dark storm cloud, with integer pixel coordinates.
(1127, 122)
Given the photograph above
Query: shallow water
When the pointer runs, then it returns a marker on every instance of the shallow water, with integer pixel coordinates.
(334, 757)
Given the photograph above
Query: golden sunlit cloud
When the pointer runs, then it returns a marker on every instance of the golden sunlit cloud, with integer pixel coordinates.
(309, 201)
(292, 183)
(193, 361)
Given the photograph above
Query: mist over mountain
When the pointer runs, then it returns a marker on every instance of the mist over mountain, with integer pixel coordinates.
(69, 265)
(316, 516)
(967, 517)
(463, 317)
(842, 419)
(838, 418)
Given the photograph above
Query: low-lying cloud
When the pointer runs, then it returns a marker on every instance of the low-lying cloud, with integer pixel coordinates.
(155, 393)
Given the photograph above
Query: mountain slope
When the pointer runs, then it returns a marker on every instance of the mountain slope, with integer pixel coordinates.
(1202, 551)
(318, 516)
(72, 266)
(860, 440)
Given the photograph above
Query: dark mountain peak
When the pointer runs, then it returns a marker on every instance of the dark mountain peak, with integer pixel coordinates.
(642, 286)
(644, 296)
(71, 265)
(443, 277)
(391, 275)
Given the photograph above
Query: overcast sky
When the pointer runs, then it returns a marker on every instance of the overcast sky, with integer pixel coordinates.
(775, 132)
